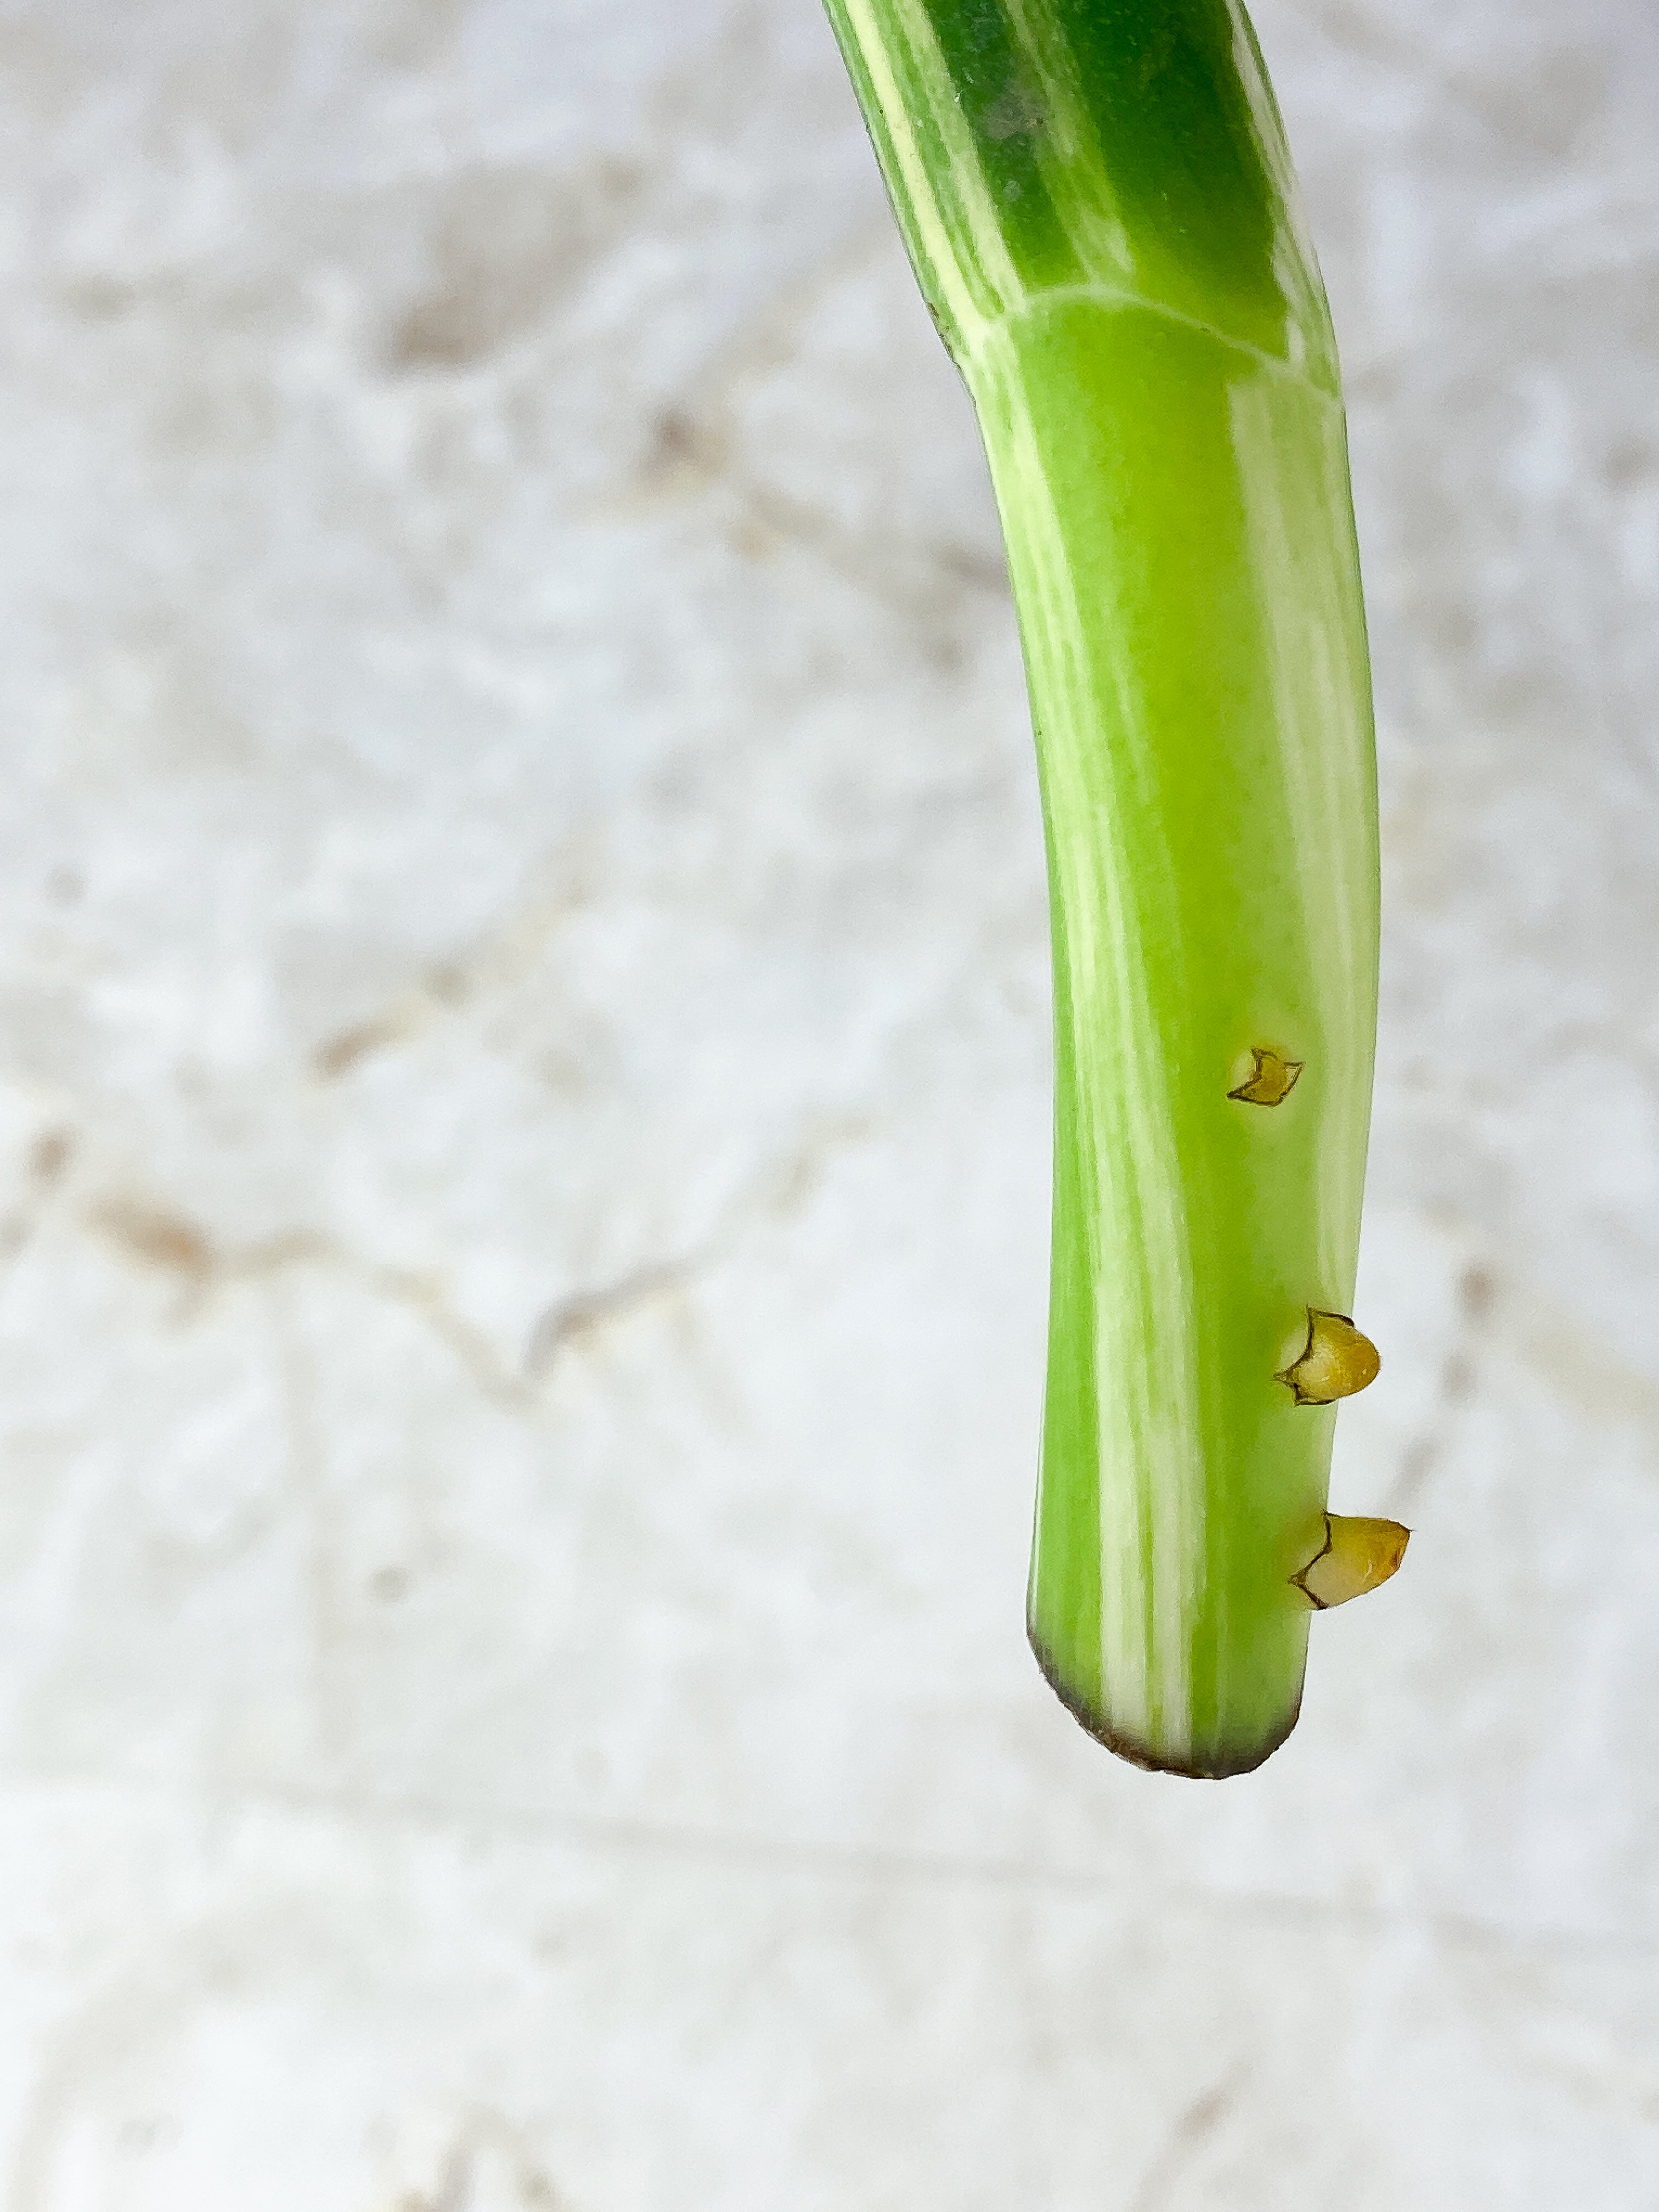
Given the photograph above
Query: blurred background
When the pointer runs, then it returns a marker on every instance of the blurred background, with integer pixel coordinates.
(524, 1071)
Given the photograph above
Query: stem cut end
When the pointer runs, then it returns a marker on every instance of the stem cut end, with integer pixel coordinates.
(1337, 1360)
(1358, 1554)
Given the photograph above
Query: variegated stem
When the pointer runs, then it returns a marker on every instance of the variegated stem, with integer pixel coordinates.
(1102, 213)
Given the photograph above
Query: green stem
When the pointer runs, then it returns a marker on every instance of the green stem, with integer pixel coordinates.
(1101, 211)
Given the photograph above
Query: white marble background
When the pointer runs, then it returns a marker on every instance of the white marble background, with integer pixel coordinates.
(522, 1134)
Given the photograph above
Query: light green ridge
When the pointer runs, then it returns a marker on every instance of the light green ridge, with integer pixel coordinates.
(1101, 211)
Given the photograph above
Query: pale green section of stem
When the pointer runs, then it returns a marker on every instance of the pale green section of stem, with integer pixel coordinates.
(1176, 522)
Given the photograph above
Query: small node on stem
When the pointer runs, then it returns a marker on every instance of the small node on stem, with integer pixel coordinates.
(1337, 1360)
(1358, 1554)
(1271, 1080)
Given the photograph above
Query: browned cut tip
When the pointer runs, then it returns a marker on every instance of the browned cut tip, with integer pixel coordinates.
(1358, 1554)
(1218, 1763)
(1271, 1080)
(1337, 1360)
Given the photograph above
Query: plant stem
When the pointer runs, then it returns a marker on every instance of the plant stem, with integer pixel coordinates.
(1101, 211)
